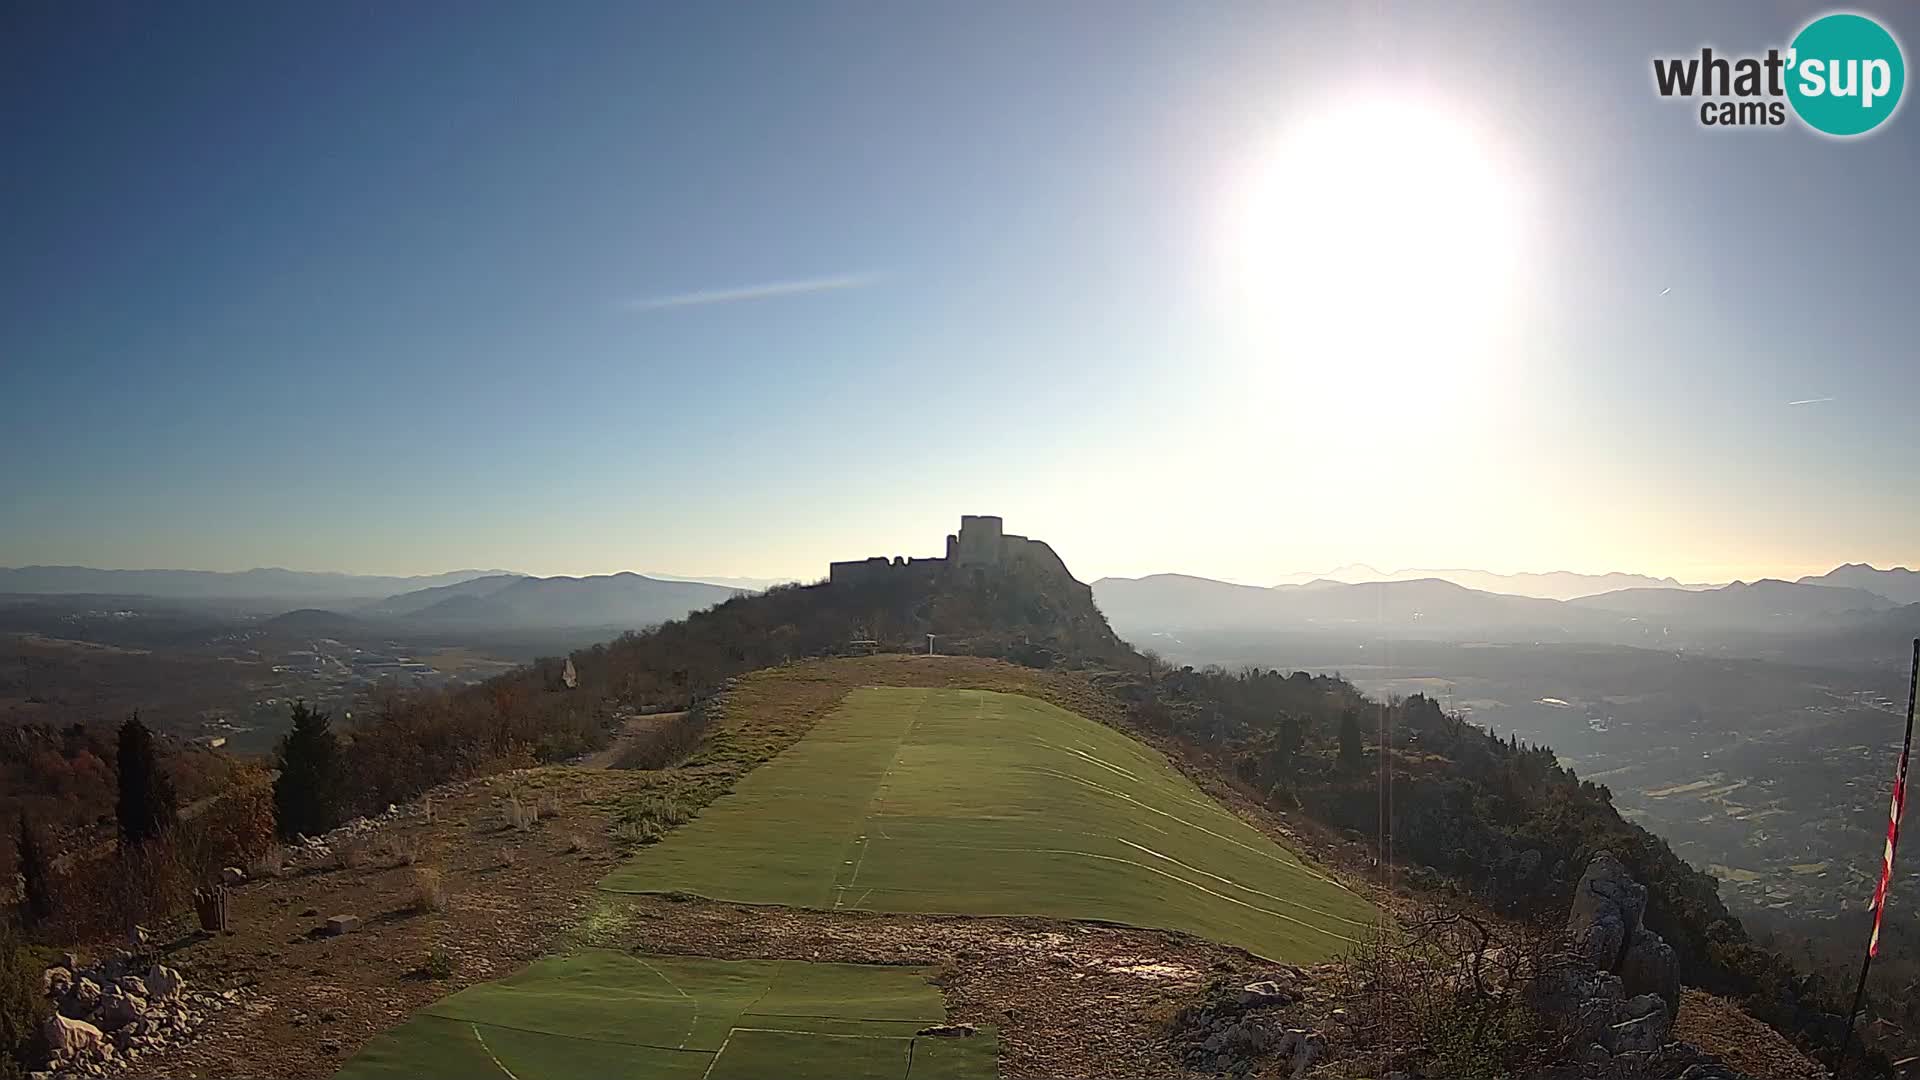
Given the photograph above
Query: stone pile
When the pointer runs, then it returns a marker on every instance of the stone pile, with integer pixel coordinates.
(1237, 1029)
(107, 1016)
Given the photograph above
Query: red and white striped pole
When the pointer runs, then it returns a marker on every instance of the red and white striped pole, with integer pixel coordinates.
(1895, 811)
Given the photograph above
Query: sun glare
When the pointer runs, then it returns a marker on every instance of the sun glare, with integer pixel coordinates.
(1375, 250)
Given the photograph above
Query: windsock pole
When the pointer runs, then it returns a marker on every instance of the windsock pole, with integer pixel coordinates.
(1895, 812)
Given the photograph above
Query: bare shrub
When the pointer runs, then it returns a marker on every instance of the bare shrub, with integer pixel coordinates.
(426, 807)
(350, 855)
(429, 889)
(668, 741)
(550, 805)
(509, 857)
(517, 816)
(575, 845)
(404, 850)
(270, 865)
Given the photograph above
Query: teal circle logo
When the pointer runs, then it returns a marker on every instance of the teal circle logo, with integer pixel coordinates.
(1845, 74)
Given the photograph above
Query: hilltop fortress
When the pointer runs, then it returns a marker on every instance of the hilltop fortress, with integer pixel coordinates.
(981, 546)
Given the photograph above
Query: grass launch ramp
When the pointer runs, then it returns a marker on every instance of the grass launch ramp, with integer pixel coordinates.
(978, 803)
(600, 1015)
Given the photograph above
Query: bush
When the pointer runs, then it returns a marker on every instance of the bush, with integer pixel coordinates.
(147, 807)
(429, 889)
(21, 1006)
(438, 964)
(350, 855)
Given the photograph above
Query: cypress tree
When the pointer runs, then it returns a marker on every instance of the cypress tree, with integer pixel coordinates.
(1350, 749)
(36, 873)
(147, 807)
(306, 795)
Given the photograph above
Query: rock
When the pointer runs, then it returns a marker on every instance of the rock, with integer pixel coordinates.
(1641, 1024)
(164, 983)
(342, 924)
(56, 982)
(1649, 966)
(1607, 908)
(83, 999)
(70, 961)
(119, 1008)
(69, 1038)
(1257, 995)
(232, 875)
(133, 985)
(948, 1031)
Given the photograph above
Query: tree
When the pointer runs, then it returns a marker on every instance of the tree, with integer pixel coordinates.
(1350, 750)
(147, 806)
(21, 1005)
(36, 875)
(306, 795)
(1290, 738)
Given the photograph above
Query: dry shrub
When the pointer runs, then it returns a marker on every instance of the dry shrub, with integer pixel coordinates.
(518, 816)
(404, 850)
(270, 865)
(575, 845)
(550, 805)
(426, 807)
(509, 857)
(350, 854)
(429, 889)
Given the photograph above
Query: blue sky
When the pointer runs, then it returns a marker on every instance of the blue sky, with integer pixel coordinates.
(401, 288)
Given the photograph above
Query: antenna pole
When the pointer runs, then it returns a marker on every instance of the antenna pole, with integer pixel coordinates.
(1897, 811)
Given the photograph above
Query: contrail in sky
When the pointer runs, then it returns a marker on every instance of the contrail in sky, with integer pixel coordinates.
(764, 291)
(1810, 401)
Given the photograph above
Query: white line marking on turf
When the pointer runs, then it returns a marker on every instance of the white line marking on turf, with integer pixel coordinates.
(866, 842)
(481, 1039)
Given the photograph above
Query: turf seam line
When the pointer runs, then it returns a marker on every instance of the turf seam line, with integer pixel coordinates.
(1169, 877)
(824, 1034)
(691, 1024)
(481, 1039)
(558, 1035)
(866, 841)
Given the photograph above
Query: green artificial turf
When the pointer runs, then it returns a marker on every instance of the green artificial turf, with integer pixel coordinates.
(600, 1015)
(979, 803)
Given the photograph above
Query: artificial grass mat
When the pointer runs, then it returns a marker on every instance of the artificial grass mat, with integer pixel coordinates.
(979, 803)
(602, 1015)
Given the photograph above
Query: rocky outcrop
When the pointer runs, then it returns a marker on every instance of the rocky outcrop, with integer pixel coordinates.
(1620, 991)
(1235, 1030)
(107, 1016)
(1608, 930)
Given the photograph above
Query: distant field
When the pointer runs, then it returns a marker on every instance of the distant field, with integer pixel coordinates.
(600, 1014)
(975, 802)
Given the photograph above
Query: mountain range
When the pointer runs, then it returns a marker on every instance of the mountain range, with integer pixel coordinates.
(267, 583)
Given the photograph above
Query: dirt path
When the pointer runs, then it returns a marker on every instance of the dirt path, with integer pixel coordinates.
(636, 725)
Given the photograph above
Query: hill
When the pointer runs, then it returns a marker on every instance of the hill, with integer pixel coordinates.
(1900, 585)
(405, 604)
(607, 600)
(266, 584)
(1552, 585)
(1426, 607)
(1760, 605)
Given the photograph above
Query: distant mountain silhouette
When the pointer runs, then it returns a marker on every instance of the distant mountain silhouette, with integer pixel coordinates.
(1175, 601)
(1752, 605)
(608, 600)
(1899, 584)
(1553, 585)
(262, 583)
(418, 600)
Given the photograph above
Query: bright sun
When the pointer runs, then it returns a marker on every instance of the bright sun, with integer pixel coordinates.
(1376, 249)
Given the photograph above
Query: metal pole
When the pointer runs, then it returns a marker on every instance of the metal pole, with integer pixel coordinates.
(1860, 991)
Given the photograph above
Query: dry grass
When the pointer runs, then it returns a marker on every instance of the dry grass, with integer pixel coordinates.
(429, 889)
(517, 816)
(550, 805)
(575, 844)
(509, 857)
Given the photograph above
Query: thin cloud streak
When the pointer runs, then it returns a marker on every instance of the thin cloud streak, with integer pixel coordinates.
(1810, 401)
(765, 291)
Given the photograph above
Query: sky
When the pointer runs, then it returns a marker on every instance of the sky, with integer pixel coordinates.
(1237, 290)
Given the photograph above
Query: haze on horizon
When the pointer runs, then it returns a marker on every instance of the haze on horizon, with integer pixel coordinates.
(1236, 292)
